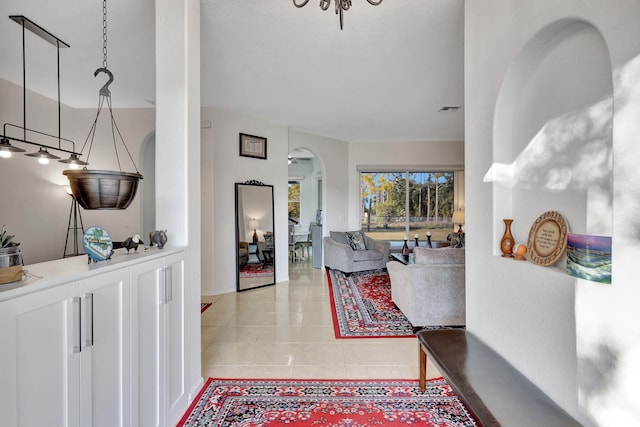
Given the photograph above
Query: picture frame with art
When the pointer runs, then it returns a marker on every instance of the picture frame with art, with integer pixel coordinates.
(589, 257)
(253, 146)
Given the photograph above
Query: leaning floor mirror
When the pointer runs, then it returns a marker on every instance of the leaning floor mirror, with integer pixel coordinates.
(255, 255)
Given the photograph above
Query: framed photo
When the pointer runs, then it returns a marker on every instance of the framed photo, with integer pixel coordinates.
(253, 146)
(589, 257)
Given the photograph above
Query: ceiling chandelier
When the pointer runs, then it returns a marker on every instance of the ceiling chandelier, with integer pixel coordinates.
(340, 6)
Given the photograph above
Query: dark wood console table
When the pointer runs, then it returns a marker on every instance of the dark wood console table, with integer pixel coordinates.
(490, 387)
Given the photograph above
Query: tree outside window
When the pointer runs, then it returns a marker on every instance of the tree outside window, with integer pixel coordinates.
(294, 201)
(388, 214)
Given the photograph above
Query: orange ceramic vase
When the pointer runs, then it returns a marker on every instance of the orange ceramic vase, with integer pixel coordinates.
(507, 242)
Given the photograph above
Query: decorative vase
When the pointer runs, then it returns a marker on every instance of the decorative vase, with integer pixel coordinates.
(405, 249)
(507, 241)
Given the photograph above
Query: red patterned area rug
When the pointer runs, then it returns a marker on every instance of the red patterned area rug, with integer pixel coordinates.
(344, 403)
(362, 308)
(256, 270)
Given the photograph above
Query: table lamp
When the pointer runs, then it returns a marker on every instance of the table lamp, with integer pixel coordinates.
(458, 218)
(254, 224)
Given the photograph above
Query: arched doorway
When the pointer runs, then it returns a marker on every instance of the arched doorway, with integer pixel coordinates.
(305, 203)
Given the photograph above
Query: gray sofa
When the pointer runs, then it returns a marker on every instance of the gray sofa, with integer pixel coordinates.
(430, 292)
(339, 255)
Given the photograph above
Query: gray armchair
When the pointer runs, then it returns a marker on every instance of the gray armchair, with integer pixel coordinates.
(430, 292)
(339, 255)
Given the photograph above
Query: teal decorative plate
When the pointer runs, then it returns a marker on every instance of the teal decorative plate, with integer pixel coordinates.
(97, 244)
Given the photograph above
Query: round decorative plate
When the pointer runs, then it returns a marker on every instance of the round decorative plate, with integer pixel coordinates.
(547, 238)
(97, 244)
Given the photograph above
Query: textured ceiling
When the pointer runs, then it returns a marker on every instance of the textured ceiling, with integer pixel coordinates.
(383, 78)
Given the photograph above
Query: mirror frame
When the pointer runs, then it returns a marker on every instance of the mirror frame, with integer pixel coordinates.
(267, 227)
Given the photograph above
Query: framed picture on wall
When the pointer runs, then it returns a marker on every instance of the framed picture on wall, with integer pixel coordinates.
(589, 257)
(253, 146)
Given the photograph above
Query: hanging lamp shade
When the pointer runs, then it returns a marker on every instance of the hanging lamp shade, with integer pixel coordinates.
(6, 148)
(73, 161)
(43, 156)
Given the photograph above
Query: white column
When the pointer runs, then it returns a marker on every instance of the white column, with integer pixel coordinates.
(178, 151)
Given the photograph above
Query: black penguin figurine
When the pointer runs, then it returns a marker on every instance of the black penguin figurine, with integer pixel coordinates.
(132, 243)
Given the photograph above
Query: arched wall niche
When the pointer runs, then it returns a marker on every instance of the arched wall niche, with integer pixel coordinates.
(552, 147)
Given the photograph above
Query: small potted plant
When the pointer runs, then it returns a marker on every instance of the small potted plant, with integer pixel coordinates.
(10, 258)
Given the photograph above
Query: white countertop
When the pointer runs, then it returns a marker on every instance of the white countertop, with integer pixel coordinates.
(52, 273)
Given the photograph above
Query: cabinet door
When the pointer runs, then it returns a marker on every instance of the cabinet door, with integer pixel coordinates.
(104, 361)
(39, 370)
(175, 346)
(147, 341)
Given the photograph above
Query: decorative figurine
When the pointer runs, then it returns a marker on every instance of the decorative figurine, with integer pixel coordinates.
(132, 243)
(519, 253)
(405, 249)
(159, 237)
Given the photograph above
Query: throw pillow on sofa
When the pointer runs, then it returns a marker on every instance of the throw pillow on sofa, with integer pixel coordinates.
(356, 240)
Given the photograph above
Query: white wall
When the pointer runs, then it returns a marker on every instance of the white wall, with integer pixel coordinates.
(178, 176)
(35, 206)
(222, 166)
(573, 338)
(426, 155)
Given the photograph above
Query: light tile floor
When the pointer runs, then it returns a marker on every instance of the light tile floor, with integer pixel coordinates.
(286, 331)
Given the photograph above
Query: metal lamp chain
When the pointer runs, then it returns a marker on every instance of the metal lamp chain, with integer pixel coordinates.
(104, 33)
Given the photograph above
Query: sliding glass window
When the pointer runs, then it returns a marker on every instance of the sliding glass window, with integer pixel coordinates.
(390, 212)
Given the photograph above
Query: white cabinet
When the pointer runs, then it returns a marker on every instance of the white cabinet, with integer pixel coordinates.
(158, 341)
(106, 349)
(104, 368)
(39, 372)
(175, 345)
(61, 355)
(146, 293)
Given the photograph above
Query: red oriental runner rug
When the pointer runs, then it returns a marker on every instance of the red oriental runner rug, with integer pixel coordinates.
(256, 270)
(344, 403)
(362, 308)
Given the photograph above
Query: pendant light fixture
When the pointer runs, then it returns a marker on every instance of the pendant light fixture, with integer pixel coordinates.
(6, 148)
(104, 189)
(43, 154)
(73, 161)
